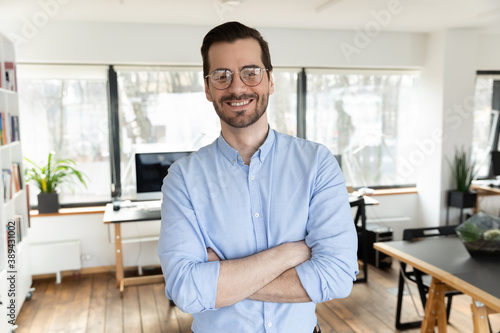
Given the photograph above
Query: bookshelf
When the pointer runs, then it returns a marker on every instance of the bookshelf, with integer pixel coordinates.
(15, 277)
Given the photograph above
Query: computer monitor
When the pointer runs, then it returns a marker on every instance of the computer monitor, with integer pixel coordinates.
(150, 169)
(495, 162)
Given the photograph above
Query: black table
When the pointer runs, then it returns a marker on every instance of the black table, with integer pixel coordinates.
(451, 267)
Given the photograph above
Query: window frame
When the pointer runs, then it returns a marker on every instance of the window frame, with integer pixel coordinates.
(495, 105)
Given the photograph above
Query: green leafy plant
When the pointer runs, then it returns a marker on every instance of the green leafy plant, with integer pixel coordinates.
(470, 232)
(55, 173)
(463, 170)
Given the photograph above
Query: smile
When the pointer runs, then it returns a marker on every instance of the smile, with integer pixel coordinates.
(239, 103)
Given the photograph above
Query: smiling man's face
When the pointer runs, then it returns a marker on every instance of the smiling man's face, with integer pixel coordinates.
(238, 105)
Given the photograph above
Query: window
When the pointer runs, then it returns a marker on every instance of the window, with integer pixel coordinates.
(367, 118)
(486, 123)
(65, 109)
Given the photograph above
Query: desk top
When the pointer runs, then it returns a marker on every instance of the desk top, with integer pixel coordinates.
(369, 201)
(485, 189)
(131, 213)
(448, 260)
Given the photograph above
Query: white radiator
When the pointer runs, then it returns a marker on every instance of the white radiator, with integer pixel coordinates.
(54, 257)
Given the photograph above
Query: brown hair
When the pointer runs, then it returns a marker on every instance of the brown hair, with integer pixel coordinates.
(230, 32)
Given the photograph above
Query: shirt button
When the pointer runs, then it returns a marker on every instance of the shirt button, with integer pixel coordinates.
(269, 324)
(233, 161)
(256, 215)
(252, 177)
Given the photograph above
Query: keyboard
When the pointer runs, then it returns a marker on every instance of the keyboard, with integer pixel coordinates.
(151, 206)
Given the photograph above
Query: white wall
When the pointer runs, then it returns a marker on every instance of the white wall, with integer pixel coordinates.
(107, 43)
(97, 238)
(488, 52)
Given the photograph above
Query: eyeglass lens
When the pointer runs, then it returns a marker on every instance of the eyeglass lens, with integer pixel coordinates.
(251, 76)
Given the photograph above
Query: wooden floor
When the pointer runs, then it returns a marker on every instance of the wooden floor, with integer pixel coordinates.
(92, 304)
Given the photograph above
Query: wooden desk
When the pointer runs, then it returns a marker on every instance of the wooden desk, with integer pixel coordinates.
(451, 267)
(127, 215)
(483, 190)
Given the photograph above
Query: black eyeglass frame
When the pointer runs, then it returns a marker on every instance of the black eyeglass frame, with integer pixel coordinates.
(231, 75)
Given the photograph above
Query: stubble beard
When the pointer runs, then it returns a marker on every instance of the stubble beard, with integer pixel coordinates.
(241, 119)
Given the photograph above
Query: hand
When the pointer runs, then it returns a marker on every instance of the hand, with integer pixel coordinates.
(212, 256)
(298, 252)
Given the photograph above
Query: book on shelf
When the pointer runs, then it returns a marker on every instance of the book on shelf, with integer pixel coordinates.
(7, 184)
(20, 227)
(5, 128)
(9, 128)
(16, 177)
(1, 130)
(11, 181)
(27, 187)
(15, 129)
(10, 76)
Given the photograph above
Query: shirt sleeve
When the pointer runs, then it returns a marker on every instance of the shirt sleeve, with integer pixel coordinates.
(190, 281)
(331, 235)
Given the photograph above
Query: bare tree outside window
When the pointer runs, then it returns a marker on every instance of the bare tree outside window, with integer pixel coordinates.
(366, 118)
(483, 117)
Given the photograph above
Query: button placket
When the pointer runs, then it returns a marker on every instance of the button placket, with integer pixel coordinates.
(256, 208)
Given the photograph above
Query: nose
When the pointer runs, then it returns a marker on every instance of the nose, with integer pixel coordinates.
(237, 85)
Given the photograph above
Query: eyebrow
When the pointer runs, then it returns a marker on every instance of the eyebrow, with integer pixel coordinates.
(242, 68)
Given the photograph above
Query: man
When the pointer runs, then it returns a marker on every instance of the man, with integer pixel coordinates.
(256, 227)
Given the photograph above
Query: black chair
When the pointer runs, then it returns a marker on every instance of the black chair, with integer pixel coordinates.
(362, 236)
(421, 279)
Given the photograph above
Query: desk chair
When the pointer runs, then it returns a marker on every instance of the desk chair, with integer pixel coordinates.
(422, 280)
(362, 236)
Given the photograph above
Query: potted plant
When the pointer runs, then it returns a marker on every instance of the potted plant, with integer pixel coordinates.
(463, 173)
(50, 177)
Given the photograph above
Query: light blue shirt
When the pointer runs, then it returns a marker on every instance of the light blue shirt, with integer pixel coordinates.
(292, 190)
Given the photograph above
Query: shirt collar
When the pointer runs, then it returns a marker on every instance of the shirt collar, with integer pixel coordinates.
(232, 154)
(229, 152)
(267, 145)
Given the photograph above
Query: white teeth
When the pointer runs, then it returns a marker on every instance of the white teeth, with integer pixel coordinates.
(240, 103)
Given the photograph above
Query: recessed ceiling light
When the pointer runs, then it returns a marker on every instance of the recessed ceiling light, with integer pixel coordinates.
(231, 2)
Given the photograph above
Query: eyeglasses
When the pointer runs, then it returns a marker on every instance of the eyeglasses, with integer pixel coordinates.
(222, 78)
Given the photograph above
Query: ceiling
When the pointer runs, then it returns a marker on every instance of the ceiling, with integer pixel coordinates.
(406, 16)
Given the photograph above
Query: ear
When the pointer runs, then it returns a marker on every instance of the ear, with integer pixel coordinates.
(271, 83)
(208, 94)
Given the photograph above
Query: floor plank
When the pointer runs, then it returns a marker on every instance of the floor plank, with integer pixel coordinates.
(29, 311)
(81, 304)
(44, 316)
(96, 321)
(149, 313)
(131, 310)
(114, 308)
